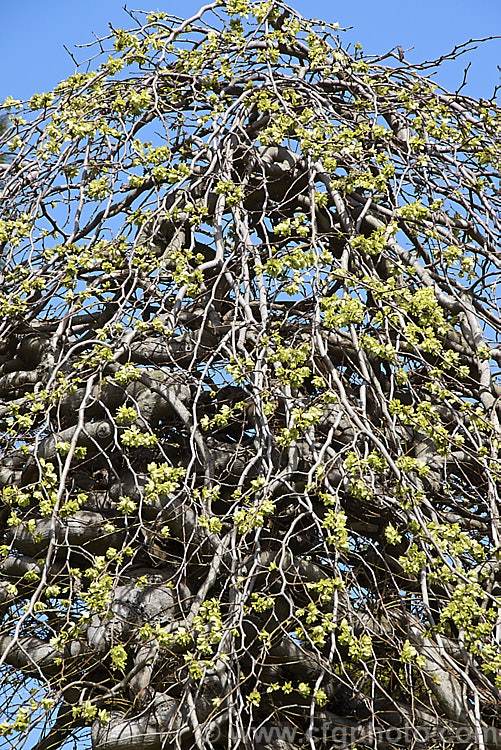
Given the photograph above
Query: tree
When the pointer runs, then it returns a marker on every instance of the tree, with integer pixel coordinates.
(250, 408)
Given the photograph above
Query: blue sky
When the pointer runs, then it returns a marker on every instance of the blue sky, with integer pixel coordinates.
(33, 33)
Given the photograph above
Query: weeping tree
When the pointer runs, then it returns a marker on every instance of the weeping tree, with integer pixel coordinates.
(250, 414)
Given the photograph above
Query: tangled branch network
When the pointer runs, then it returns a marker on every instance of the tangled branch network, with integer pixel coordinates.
(249, 395)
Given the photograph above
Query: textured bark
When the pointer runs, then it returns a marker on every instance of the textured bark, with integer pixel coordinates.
(249, 409)
(84, 529)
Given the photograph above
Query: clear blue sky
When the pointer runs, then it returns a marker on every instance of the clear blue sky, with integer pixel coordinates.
(33, 33)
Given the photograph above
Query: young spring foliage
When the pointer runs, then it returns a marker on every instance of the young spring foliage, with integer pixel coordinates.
(249, 396)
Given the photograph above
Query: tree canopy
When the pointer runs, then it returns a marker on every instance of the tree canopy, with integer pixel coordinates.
(249, 395)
